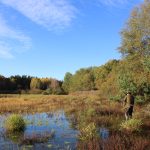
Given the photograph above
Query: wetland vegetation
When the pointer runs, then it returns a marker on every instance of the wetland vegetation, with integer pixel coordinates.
(75, 121)
(84, 111)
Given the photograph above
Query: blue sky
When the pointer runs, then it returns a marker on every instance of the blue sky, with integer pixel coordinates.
(47, 38)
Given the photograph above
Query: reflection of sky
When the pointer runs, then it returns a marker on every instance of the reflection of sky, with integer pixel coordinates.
(43, 123)
(56, 122)
(2, 119)
(104, 133)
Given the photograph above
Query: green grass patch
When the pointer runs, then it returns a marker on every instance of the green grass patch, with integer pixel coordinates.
(88, 132)
(15, 123)
(132, 125)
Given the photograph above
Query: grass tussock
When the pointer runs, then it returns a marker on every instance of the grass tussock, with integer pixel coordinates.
(88, 132)
(15, 123)
(132, 125)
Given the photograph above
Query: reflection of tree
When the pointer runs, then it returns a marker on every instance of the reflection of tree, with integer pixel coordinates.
(50, 115)
(72, 119)
(15, 137)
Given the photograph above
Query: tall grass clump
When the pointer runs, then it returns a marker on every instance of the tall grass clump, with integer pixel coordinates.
(15, 123)
(88, 132)
(132, 125)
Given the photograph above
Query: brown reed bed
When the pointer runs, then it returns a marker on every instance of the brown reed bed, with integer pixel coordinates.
(36, 138)
(42, 103)
(115, 142)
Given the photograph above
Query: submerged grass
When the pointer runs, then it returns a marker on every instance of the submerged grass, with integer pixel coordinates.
(37, 138)
(30, 139)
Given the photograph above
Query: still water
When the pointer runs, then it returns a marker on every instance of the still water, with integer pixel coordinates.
(44, 131)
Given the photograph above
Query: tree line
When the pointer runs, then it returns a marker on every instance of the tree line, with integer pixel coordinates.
(27, 84)
(131, 72)
(113, 79)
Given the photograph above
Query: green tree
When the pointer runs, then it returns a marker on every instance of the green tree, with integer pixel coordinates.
(102, 73)
(134, 70)
(136, 34)
(67, 82)
(83, 80)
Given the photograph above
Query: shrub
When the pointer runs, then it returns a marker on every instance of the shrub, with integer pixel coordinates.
(88, 133)
(15, 123)
(132, 125)
(139, 100)
(57, 91)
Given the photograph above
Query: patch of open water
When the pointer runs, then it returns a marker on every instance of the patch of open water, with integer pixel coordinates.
(44, 131)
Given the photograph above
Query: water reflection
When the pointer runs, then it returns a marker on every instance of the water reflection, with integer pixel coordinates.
(44, 131)
(52, 130)
(104, 133)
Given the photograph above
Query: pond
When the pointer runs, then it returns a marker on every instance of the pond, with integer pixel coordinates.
(52, 130)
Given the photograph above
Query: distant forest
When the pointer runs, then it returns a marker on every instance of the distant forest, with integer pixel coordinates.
(113, 79)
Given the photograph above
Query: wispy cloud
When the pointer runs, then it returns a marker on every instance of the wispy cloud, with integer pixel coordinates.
(7, 33)
(5, 51)
(113, 2)
(48, 13)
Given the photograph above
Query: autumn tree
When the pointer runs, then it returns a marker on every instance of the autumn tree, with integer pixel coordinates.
(56, 87)
(35, 83)
(46, 83)
(134, 72)
(82, 80)
(136, 34)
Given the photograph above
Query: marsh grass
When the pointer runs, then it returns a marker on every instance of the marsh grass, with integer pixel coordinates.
(115, 142)
(132, 125)
(88, 132)
(15, 123)
(85, 112)
(30, 139)
(37, 138)
(41, 103)
(125, 142)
